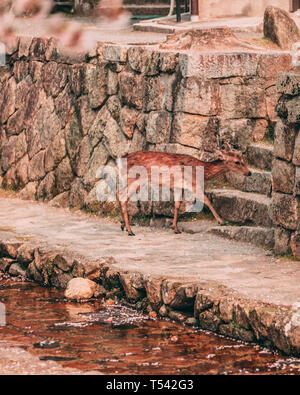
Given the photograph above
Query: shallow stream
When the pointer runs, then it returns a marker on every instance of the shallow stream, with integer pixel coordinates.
(118, 340)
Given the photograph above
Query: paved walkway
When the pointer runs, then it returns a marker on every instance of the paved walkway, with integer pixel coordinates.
(198, 257)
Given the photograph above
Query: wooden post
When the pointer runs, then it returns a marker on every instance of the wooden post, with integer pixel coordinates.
(294, 5)
(172, 5)
(194, 10)
(186, 5)
(178, 11)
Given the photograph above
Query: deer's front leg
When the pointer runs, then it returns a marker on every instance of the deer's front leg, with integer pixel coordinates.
(215, 214)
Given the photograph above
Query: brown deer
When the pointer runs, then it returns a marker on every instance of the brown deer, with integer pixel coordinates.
(225, 161)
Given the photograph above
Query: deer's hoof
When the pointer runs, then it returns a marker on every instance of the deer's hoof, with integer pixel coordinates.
(131, 234)
(122, 228)
(177, 232)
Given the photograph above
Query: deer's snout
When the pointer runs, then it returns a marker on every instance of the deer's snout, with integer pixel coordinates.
(249, 173)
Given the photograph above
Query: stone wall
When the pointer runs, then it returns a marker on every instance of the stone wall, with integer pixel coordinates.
(286, 166)
(61, 118)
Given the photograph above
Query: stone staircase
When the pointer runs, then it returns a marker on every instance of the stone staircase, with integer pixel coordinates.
(245, 205)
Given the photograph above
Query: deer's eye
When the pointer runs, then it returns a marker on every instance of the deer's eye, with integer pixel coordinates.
(237, 163)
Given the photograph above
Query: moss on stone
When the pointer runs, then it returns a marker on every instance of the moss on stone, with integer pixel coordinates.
(288, 256)
(48, 267)
(234, 324)
(7, 192)
(109, 210)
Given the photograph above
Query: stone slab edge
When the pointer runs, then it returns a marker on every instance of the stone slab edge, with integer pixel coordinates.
(155, 27)
(209, 305)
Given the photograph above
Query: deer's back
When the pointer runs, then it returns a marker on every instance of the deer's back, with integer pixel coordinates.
(149, 159)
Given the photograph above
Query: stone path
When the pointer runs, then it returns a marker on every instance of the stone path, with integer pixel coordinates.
(16, 361)
(197, 257)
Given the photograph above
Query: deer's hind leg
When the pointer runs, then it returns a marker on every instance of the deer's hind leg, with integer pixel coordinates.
(125, 223)
(122, 214)
(125, 218)
(125, 196)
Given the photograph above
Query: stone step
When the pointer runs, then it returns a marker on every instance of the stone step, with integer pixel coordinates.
(241, 207)
(256, 235)
(259, 182)
(260, 156)
(150, 9)
(191, 227)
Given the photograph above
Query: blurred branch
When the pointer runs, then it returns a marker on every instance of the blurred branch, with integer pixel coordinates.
(71, 35)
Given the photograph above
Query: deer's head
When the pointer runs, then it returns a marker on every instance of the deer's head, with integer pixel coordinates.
(234, 161)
